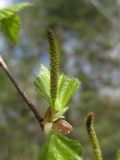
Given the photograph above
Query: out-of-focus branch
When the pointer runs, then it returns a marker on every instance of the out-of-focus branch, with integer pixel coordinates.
(5, 68)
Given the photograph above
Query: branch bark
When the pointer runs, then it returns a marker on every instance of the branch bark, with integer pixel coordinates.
(29, 103)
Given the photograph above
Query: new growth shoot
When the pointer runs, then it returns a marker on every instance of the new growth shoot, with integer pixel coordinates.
(56, 89)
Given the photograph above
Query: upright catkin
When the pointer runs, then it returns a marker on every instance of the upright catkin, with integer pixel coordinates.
(93, 136)
(54, 64)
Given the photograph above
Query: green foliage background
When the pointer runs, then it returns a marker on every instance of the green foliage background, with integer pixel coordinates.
(84, 34)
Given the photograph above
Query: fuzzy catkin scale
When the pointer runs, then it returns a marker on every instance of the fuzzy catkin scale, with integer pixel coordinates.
(54, 64)
(93, 136)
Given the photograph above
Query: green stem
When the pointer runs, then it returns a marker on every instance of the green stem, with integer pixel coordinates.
(93, 136)
(54, 64)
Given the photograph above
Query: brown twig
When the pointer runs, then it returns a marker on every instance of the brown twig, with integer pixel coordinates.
(5, 68)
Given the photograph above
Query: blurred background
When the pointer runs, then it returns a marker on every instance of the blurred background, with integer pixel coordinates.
(89, 42)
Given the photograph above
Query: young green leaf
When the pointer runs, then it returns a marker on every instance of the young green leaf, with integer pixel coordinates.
(10, 11)
(42, 83)
(66, 88)
(11, 26)
(10, 21)
(118, 155)
(59, 147)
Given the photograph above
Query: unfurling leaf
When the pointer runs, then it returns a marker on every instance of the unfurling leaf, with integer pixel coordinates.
(66, 88)
(42, 83)
(59, 147)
